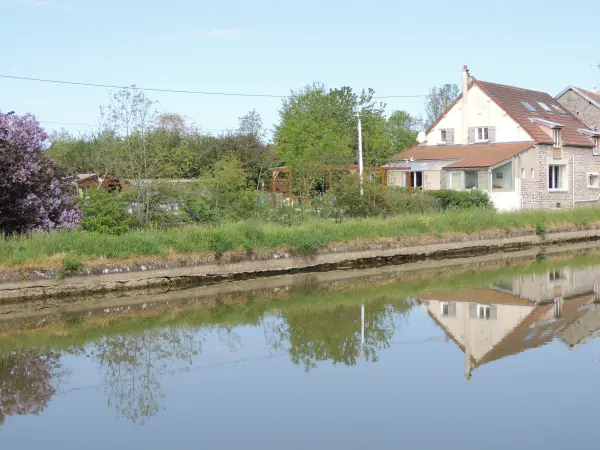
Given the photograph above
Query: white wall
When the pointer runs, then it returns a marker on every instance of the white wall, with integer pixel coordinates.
(506, 200)
(479, 336)
(481, 112)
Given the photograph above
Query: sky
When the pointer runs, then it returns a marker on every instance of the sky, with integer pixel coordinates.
(274, 47)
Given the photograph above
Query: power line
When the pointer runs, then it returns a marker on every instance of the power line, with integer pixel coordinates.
(173, 91)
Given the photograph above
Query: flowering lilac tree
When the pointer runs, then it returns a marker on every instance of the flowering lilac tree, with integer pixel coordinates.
(35, 194)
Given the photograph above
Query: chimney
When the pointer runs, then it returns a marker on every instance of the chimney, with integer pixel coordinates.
(595, 90)
(465, 101)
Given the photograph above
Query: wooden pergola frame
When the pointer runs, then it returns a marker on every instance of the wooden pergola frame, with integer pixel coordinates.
(329, 170)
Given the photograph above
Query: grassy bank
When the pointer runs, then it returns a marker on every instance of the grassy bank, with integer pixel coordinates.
(305, 238)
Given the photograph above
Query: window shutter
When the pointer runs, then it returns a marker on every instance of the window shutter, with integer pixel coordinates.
(450, 136)
(472, 131)
(492, 134)
(473, 310)
(452, 309)
(483, 180)
(494, 312)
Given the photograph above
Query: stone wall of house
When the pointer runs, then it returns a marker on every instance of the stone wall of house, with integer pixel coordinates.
(583, 109)
(535, 192)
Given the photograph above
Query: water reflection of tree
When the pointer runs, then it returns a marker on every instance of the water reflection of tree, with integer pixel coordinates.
(27, 381)
(335, 333)
(132, 367)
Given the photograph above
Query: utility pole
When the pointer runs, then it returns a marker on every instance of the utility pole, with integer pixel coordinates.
(362, 330)
(360, 155)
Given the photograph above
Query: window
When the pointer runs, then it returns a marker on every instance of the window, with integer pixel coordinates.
(443, 136)
(594, 180)
(522, 174)
(532, 174)
(544, 106)
(555, 275)
(555, 177)
(482, 134)
(557, 307)
(528, 107)
(556, 134)
(595, 149)
(483, 312)
(456, 180)
(471, 179)
(416, 180)
(445, 308)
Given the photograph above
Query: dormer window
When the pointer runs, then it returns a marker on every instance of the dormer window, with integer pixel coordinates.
(443, 136)
(556, 134)
(483, 134)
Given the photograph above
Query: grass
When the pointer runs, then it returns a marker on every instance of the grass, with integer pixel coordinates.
(308, 237)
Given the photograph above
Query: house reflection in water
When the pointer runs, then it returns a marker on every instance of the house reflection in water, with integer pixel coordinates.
(522, 313)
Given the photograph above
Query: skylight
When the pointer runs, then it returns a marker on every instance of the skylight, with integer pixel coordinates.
(528, 107)
(546, 107)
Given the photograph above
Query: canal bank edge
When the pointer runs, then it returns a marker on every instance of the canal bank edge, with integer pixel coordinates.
(371, 254)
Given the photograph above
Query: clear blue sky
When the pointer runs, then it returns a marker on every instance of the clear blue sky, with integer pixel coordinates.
(268, 46)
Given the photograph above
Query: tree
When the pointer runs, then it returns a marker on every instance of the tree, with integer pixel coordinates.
(252, 124)
(26, 382)
(35, 194)
(434, 105)
(318, 127)
(402, 130)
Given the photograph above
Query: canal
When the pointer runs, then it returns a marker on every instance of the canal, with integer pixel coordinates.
(490, 359)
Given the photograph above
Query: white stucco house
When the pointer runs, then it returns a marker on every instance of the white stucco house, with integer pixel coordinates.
(519, 145)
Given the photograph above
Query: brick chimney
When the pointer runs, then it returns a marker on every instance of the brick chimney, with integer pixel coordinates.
(465, 101)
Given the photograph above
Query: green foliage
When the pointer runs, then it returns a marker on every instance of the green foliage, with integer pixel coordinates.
(375, 201)
(229, 193)
(435, 101)
(199, 210)
(284, 215)
(70, 265)
(307, 244)
(472, 198)
(107, 212)
(402, 130)
(540, 229)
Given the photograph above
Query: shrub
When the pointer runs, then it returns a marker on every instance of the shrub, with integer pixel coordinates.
(198, 210)
(345, 198)
(450, 199)
(107, 212)
(284, 215)
(70, 265)
(308, 243)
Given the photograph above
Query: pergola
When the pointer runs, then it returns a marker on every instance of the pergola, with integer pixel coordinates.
(328, 171)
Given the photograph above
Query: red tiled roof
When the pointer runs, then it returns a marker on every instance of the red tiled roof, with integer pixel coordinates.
(474, 155)
(509, 98)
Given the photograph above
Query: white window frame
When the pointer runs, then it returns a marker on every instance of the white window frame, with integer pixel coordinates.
(462, 180)
(595, 149)
(446, 305)
(484, 132)
(484, 312)
(443, 136)
(556, 137)
(595, 185)
(562, 177)
(533, 174)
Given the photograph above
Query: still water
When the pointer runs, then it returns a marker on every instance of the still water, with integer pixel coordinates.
(488, 360)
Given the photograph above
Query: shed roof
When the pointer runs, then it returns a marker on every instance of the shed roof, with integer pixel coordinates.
(465, 156)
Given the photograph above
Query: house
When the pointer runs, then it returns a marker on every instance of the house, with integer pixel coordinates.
(86, 181)
(583, 104)
(521, 314)
(521, 146)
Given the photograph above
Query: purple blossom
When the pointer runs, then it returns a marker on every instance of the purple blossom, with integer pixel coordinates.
(35, 194)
